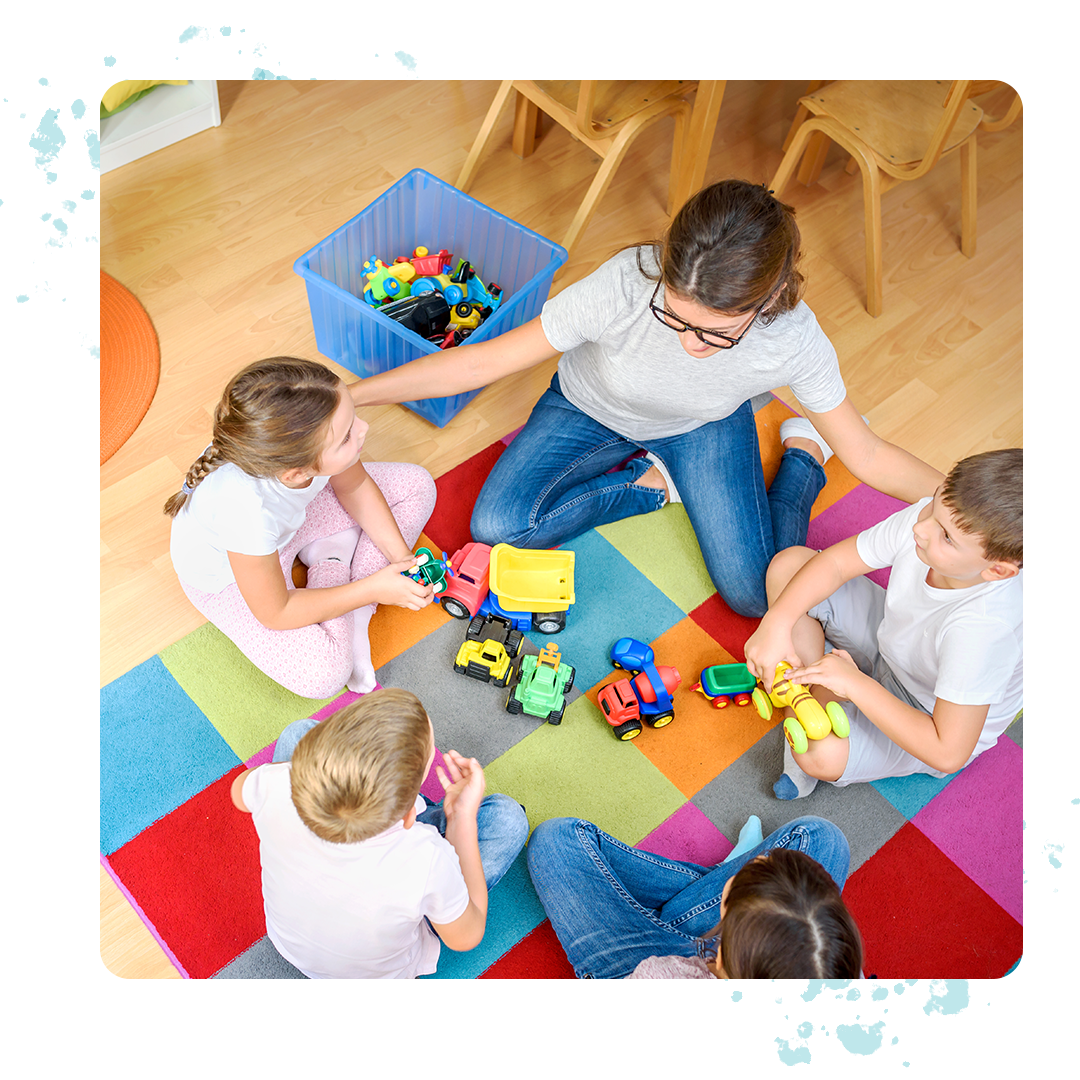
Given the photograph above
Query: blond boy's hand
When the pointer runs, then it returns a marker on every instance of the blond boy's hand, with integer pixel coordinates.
(464, 788)
(836, 671)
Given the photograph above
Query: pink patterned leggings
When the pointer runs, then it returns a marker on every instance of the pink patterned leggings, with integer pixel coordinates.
(315, 661)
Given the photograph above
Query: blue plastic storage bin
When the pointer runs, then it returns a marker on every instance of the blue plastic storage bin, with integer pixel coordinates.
(420, 209)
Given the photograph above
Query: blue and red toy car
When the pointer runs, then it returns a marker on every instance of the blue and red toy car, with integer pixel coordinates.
(647, 696)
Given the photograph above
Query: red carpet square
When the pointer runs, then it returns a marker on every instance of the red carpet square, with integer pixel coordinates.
(195, 873)
(456, 492)
(538, 955)
(922, 917)
(724, 626)
(978, 821)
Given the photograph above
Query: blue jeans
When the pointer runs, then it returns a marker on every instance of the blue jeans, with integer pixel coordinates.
(613, 906)
(552, 483)
(501, 824)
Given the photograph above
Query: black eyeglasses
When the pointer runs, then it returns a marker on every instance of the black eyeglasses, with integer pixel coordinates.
(715, 338)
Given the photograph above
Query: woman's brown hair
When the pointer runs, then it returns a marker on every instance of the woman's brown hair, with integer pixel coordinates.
(784, 919)
(272, 417)
(730, 247)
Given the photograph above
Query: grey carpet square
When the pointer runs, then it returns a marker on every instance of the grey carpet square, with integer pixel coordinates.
(867, 819)
(261, 961)
(468, 715)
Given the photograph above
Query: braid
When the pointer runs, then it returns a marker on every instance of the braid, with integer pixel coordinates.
(210, 459)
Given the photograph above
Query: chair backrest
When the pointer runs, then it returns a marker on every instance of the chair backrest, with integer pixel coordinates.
(955, 99)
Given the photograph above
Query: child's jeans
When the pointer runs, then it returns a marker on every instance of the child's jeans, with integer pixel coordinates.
(613, 906)
(501, 824)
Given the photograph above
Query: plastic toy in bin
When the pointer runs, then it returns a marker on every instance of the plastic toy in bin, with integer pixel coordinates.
(425, 264)
(724, 684)
(425, 314)
(811, 720)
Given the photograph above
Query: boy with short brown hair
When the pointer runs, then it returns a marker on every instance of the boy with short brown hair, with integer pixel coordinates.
(929, 671)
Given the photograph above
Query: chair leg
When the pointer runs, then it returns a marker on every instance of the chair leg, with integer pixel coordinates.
(793, 154)
(526, 126)
(872, 216)
(469, 169)
(814, 159)
(968, 195)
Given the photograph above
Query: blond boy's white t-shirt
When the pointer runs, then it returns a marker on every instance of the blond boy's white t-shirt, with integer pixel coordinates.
(962, 645)
(351, 911)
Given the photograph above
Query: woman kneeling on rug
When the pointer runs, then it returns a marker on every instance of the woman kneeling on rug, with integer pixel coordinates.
(771, 911)
(652, 401)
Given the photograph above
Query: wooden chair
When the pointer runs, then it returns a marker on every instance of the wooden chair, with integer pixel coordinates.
(606, 117)
(893, 131)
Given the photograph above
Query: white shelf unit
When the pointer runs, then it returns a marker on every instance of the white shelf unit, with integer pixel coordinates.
(164, 116)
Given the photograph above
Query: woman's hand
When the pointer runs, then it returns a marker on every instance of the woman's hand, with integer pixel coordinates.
(390, 586)
(836, 671)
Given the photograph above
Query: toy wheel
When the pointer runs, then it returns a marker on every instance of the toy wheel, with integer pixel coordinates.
(630, 730)
(504, 681)
(550, 622)
(662, 719)
(556, 716)
(513, 643)
(762, 703)
(455, 608)
(513, 706)
(459, 668)
(570, 680)
(476, 629)
(838, 718)
(795, 735)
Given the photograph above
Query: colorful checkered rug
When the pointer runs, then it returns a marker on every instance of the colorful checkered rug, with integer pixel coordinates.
(936, 874)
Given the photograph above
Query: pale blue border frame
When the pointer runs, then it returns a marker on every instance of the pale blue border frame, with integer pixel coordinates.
(50, 783)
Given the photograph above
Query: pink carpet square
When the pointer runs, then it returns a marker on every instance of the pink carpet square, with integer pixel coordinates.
(688, 836)
(857, 510)
(978, 822)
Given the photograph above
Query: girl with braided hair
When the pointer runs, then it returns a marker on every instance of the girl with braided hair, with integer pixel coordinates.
(282, 479)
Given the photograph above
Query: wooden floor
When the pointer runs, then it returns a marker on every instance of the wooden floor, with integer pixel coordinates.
(205, 233)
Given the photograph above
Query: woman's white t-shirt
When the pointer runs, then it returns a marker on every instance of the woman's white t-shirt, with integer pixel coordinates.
(626, 369)
(232, 511)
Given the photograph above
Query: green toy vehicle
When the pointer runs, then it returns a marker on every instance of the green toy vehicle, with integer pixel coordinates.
(542, 686)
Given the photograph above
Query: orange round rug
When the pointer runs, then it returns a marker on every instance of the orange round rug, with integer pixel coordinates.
(130, 365)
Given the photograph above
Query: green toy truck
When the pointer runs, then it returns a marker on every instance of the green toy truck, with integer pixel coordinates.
(542, 686)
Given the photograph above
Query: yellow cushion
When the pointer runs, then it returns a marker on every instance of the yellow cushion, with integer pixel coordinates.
(119, 92)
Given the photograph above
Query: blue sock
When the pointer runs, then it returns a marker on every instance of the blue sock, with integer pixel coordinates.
(749, 838)
(793, 782)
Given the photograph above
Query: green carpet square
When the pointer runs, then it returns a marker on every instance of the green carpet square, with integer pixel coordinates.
(579, 769)
(247, 707)
(664, 548)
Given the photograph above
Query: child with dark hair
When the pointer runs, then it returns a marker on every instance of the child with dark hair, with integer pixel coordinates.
(771, 910)
(930, 671)
(664, 347)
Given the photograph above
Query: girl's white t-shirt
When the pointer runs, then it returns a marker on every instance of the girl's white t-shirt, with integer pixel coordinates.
(232, 511)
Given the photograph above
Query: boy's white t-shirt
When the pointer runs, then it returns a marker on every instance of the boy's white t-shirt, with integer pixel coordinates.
(232, 511)
(963, 645)
(351, 911)
(626, 369)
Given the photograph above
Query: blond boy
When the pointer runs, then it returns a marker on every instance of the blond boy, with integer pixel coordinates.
(930, 671)
(361, 876)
